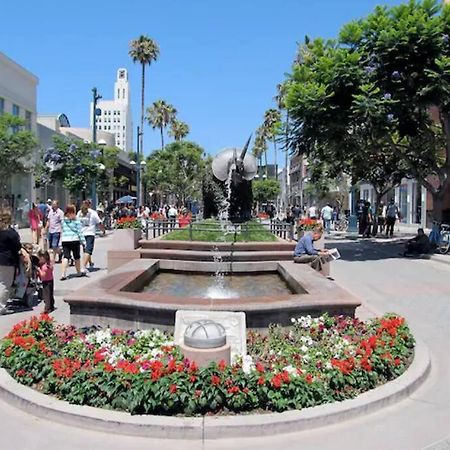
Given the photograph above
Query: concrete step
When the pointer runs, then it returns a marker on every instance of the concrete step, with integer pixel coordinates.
(222, 246)
(195, 255)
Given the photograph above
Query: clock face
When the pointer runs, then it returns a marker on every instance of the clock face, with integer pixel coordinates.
(121, 73)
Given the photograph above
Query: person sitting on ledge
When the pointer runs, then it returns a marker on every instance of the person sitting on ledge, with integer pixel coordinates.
(305, 253)
(418, 245)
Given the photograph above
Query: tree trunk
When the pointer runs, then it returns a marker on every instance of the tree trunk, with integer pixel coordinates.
(141, 131)
(162, 138)
(275, 152)
(265, 161)
(375, 214)
(438, 205)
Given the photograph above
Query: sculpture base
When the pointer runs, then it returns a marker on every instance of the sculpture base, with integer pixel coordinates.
(204, 356)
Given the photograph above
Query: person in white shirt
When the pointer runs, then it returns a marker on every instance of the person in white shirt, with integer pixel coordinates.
(327, 214)
(89, 221)
(312, 212)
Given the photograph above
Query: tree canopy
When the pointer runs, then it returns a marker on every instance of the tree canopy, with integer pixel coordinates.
(374, 103)
(16, 147)
(265, 189)
(177, 169)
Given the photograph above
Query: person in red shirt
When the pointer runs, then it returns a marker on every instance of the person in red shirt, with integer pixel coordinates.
(45, 272)
(35, 219)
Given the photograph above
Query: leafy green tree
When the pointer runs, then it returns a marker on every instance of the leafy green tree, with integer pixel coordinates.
(383, 90)
(265, 190)
(260, 146)
(76, 163)
(144, 51)
(178, 169)
(16, 148)
(178, 129)
(160, 115)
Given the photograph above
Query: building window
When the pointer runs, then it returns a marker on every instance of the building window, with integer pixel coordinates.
(109, 127)
(118, 93)
(123, 127)
(16, 110)
(118, 113)
(2, 105)
(28, 120)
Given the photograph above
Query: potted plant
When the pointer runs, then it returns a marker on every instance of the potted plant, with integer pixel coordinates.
(128, 232)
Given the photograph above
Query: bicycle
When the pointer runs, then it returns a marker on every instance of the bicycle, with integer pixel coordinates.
(444, 239)
(341, 224)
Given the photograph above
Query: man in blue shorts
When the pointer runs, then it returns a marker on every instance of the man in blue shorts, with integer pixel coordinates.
(54, 228)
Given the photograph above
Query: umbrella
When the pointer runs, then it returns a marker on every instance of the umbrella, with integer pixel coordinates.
(125, 199)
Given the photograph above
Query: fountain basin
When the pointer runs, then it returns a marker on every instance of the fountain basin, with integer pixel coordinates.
(116, 299)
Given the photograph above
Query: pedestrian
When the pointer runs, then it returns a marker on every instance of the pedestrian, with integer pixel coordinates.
(366, 219)
(305, 253)
(172, 215)
(381, 216)
(54, 229)
(89, 220)
(9, 258)
(71, 238)
(391, 217)
(312, 212)
(45, 273)
(418, 245)
(327, 215)
(35, 222)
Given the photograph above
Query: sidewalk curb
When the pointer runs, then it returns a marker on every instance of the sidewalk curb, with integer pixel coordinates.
(443, 259)
(216, 427)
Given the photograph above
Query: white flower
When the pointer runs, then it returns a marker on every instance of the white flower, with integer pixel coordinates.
(247, 364)
(304, 348)
(100, 337)
(328, 365)
(291, 370)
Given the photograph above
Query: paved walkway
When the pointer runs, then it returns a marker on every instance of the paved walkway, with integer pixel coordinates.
(418, 289)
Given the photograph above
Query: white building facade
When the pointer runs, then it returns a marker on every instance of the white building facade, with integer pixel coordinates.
(18, 97)
(115, 115)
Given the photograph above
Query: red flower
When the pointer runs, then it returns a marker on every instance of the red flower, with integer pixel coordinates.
(20, 373)
(193, 366)
(192, 378)
(108, 367)
(365, 364)
(99, 356)
(215, 380)
(276, 381)
(233, 390)
(309, 378)
(261, 381)
(221, 366)
(285, 376)
(260, 368)
(173, 388)
(8, 352)
(246, 390)
(346, 366)
(397, 361)
(198, 393)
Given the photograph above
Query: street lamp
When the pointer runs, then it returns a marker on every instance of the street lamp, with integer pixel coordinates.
(138, 167)
(95, 112)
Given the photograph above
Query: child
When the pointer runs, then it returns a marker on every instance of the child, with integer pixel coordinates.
(45, 272)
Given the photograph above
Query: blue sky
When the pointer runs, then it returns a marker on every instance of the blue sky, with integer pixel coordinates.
(219, 65)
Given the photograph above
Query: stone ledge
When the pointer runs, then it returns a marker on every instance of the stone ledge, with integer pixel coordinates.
(216, 427)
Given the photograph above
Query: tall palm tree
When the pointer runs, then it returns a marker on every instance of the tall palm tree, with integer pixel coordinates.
(271, 124)
(260, 147)
(178, 129)
(280, 99)
(144, 51)
(159, 115)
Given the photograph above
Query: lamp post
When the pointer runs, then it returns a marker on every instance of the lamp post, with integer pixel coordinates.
(138, 167)
(95, 112)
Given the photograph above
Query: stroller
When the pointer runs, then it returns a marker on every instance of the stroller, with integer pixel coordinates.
(27, 285)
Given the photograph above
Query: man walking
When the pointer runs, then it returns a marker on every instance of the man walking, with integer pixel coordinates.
(327, 214)
(391, 217)
(54, 228)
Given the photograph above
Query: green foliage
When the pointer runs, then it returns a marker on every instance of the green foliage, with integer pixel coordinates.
(160, 115)
(265, 190)
(16, 147)
(143, 50)
(76, 163)
(178, 129)
(316, 361)
(177, 169)
(376, 103)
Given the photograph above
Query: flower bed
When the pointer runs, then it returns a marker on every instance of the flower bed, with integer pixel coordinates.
(316, 361)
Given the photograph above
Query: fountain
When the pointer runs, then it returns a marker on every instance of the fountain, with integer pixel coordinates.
(147, 286)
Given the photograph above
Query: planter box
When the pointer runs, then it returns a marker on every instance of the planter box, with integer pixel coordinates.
(127, 239)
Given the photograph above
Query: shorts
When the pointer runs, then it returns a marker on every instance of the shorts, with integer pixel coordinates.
(72, 247)
(89, 247)
(53, 240)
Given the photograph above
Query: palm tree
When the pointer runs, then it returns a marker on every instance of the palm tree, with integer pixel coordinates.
(272, 118)
(159, 115)
(260, 146)
(144, 51)
(178, 129)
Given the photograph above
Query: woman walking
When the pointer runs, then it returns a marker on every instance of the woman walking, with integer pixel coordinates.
(9, 258)
(71, 239)
(35, 220)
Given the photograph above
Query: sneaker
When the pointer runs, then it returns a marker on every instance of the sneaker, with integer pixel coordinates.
(83, 273)
(63, 278)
